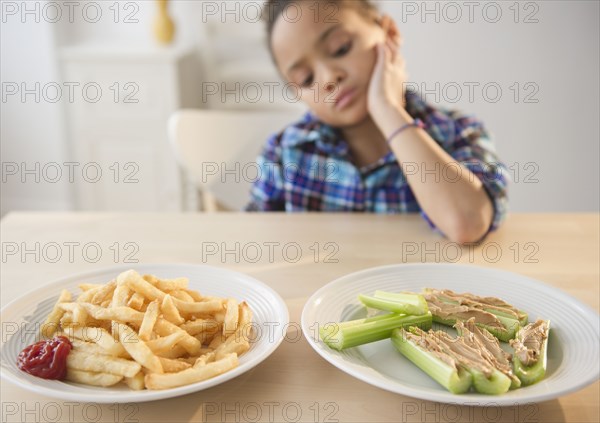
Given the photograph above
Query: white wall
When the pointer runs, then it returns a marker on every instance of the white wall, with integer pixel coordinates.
(557, 137)
(31, 130)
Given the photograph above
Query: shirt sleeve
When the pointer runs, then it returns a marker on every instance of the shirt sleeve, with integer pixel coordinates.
(267, 192)
(471, 145)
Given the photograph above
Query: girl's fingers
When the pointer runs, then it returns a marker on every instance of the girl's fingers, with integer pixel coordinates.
(392, 48)
(380, 48)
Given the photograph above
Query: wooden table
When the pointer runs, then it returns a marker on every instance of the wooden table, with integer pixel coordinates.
(299, 254)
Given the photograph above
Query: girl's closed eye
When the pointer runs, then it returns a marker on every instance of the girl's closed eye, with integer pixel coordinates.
(337, 52)
(343, 50)
(307, 81)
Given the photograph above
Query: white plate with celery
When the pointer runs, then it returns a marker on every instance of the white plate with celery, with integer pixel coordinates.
(553, 346)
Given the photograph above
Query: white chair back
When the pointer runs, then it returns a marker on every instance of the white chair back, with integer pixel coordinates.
(217, 150)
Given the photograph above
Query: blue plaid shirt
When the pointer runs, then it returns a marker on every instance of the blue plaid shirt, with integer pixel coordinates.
(308, 167)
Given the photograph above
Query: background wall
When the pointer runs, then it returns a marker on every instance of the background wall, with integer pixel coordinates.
(31, 130)
(528, 69)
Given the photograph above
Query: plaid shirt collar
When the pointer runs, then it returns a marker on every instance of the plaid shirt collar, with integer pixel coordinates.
(330, 141)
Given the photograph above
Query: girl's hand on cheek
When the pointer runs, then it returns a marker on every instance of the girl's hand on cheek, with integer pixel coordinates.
(386, 88)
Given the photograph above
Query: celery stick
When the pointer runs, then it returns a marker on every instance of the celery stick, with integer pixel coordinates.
(503, 334)
(536, 372)
(363, 331)
(457, 381)
(406, 303)
(511, 325)
(393, 305)
(523, 321)
(349, 323)
(497, 384)
(472, 359)
(515, 383)
(495, 355)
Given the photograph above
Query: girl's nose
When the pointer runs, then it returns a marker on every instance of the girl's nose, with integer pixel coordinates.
(330, 86)
(332, 77)
(333, 81)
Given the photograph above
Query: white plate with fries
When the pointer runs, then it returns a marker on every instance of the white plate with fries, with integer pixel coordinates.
(573, 343)
(156, 332)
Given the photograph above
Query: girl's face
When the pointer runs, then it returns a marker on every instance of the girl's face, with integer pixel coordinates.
(330, 58)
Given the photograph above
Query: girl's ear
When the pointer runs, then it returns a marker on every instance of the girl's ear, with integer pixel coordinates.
(390, 29)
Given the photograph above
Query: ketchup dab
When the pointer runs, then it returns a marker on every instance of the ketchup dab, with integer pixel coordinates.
(46, 359)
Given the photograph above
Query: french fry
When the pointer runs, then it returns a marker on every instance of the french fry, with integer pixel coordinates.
(180, 294)
(196, 296)
(233, 344)
(120, 296)
(80, 360)
(213, 298)
(165, 328)
(218, 339)
(80, 316)
(86, 296)
(150, 278)
(244, 329)
(171, 365)
(91, 378)
(167, 284)
(230, 322)
(203, 307)
(172, 284)
(103, 293)
(204, 359)
(103, 324)
(138, 349)
(149, 321)
(136, 383)
(174, 352)
(99, 336)
(219, 316)
(147, 332)
(170, 312)
(192, 359)
(165, 343)
(123, 277)
(140, 285)
(67, 319)
(136, 301)
(121, 314)
(87, 286)
(191, 375)
(206, 338)
(87, 347)
(77, 314)
(245, 314)
(198, 326)
(52, 322)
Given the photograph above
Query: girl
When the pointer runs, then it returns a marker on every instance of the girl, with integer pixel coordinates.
(367, 144)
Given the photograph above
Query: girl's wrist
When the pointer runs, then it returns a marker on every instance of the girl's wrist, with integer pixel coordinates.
(417, 123)
(388, 118)
(383, 105)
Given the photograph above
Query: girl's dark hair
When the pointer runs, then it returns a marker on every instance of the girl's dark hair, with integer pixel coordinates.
(275, 8)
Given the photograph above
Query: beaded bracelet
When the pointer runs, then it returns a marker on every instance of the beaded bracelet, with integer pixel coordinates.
(416, 123)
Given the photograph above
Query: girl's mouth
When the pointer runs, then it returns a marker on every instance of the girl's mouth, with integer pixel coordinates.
(344, 98)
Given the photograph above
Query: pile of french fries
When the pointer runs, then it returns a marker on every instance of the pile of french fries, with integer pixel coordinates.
(148, 332)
